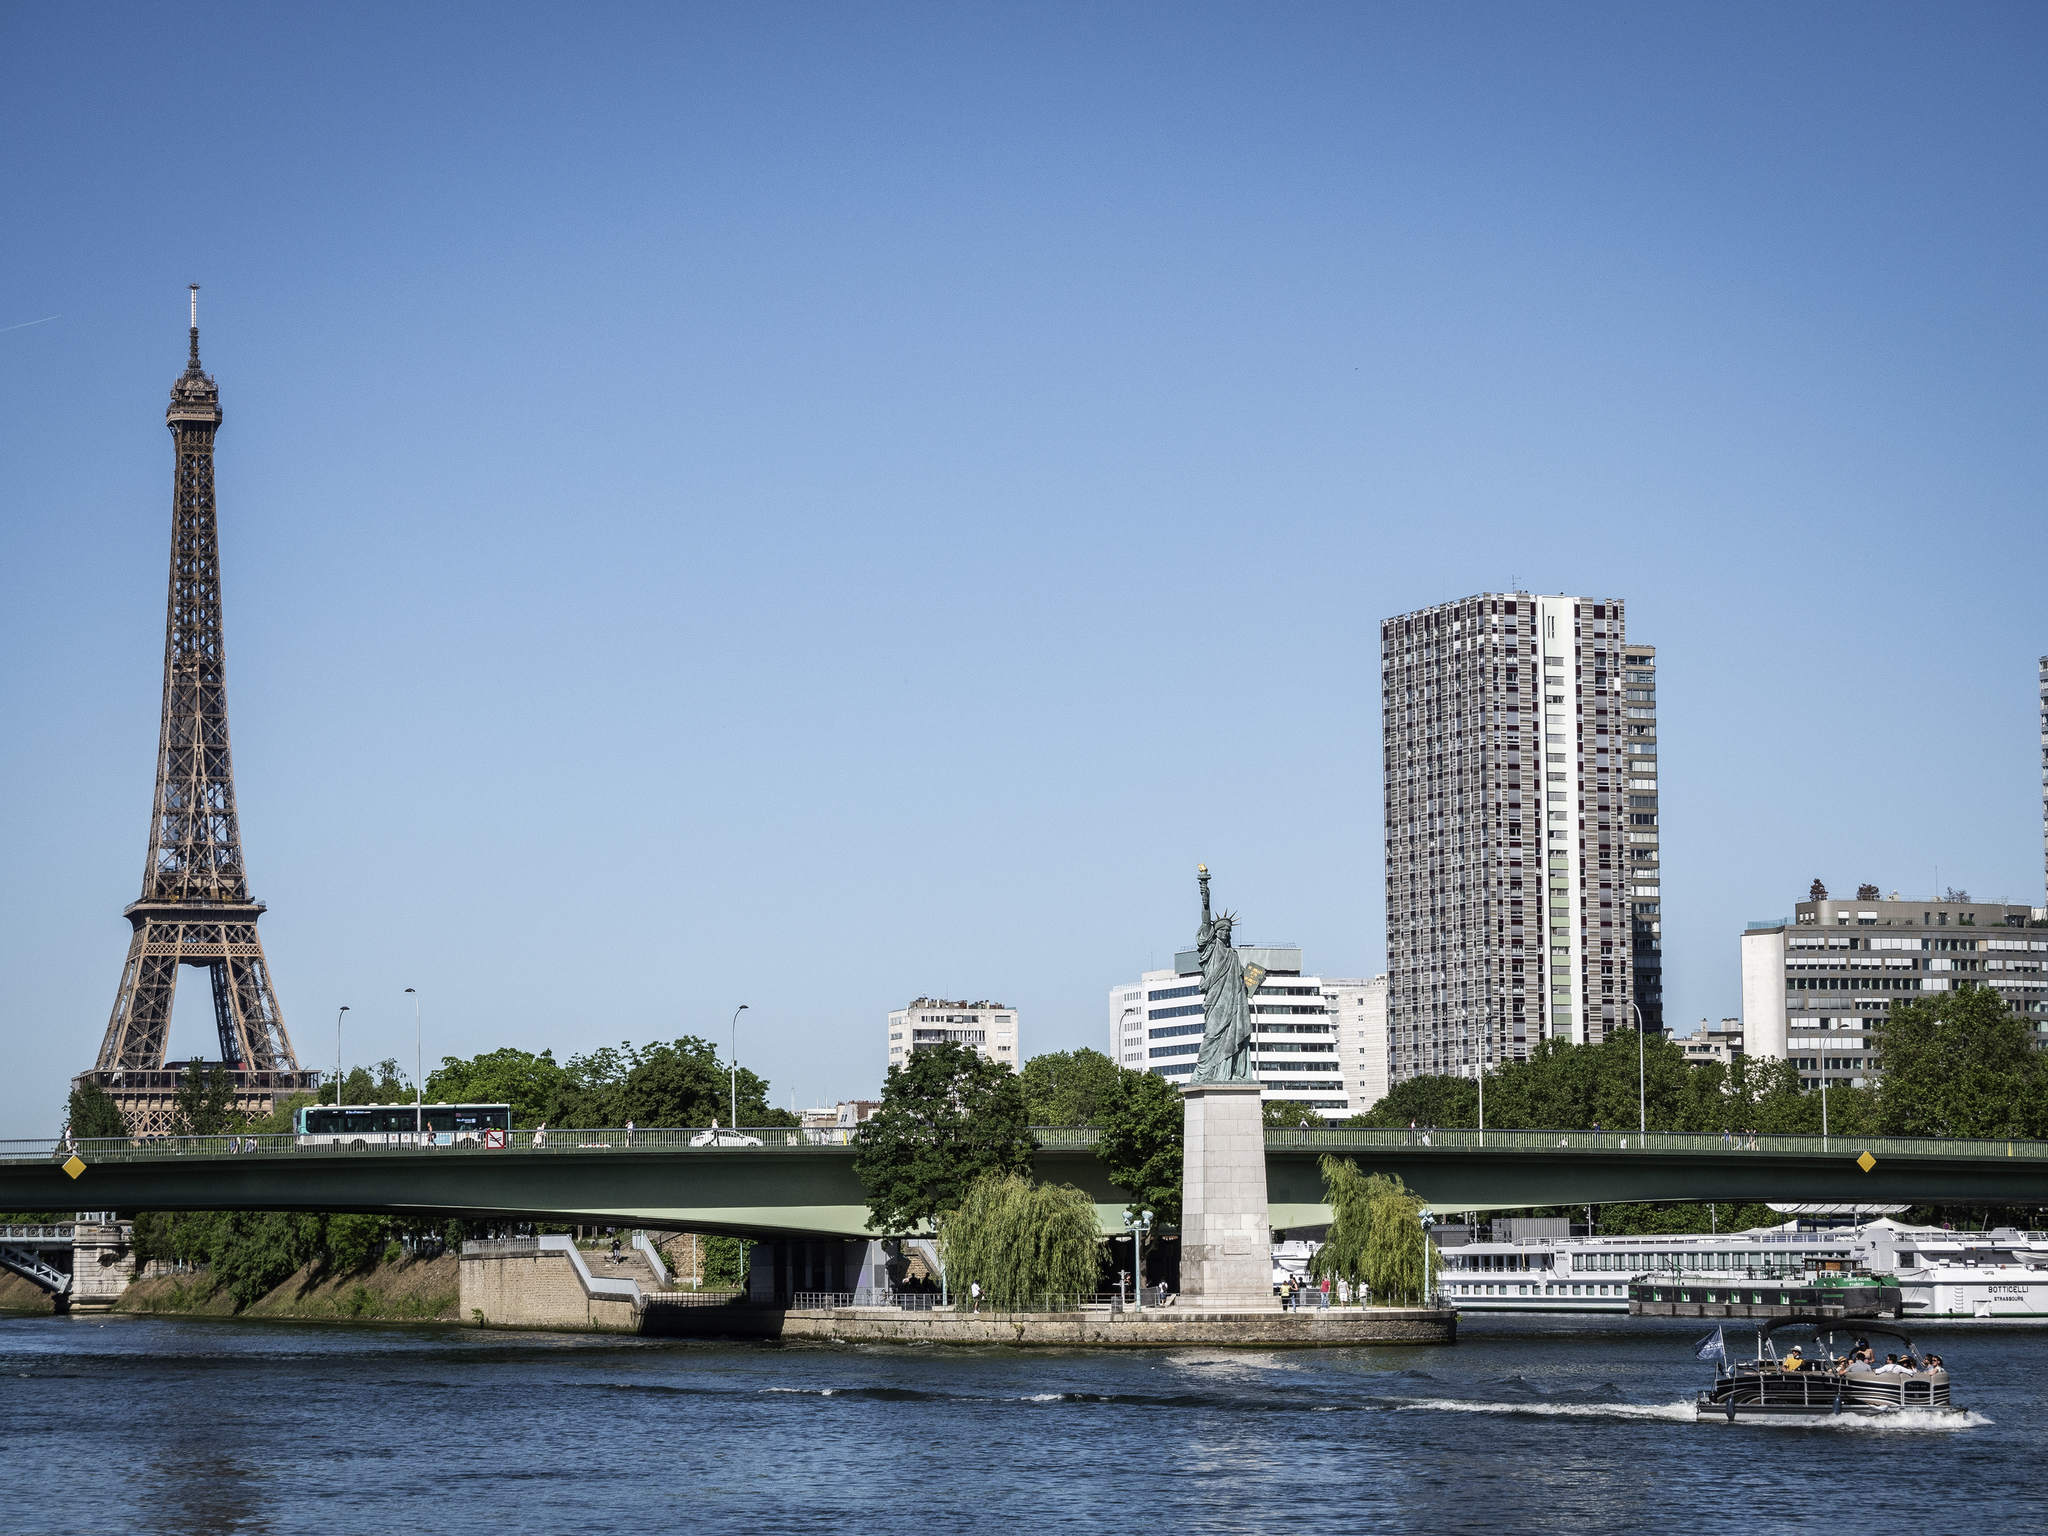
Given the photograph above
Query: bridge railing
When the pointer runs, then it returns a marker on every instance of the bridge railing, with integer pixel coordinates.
(552, 1140)
(561, 1142)
(1340, 1139)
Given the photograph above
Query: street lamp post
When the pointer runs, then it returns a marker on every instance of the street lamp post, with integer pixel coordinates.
(1140, 1224)
(734, 1064)
(419, 1107)
(1823, 1059)
(1482, 1096)
(337, 1060)
(1120, 1029)
(1642, 1082)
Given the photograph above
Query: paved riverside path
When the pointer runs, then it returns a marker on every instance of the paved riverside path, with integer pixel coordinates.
(802, 1182)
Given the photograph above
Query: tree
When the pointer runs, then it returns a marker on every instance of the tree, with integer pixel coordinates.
(532, 1085)
(93, 1112)
(684, 1083)
(1817, 891)
(669, 1083)
(1022, 1241)
(1400, 1260)
(1350, 1193)
(1288, 1114)
(1068, 1087)
(1376, 1236)
(387, 1085)
(1448, 1101)
(205, 1105)
(1960, 1064)
(1143, 1130)
(947, 1118)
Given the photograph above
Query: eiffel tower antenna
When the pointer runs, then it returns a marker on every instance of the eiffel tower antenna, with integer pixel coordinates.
(195, 908)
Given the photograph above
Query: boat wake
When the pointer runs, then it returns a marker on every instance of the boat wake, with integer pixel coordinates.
(1919, 1421)
(1910, 1420)
(1675, 1412)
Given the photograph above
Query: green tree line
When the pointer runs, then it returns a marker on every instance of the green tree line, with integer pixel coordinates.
(1958, 1064)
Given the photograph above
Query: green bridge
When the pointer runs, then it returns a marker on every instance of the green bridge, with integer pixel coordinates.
(801, 1183)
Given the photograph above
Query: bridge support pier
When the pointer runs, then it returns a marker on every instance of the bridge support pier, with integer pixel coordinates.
(102, 1263)
(783, 1268)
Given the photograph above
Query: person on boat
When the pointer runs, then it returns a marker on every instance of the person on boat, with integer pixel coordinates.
(1934, 1363)
(1793, 1361)
(1891, 1367)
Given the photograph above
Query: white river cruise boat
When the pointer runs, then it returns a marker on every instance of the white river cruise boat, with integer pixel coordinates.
(2002, 1273)
(1591, 1274)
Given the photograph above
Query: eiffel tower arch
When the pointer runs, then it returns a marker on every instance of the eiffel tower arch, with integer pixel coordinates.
(195, 908)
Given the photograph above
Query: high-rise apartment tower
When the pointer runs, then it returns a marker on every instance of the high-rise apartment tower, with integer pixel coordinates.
(2044, 777)
(1517, 771)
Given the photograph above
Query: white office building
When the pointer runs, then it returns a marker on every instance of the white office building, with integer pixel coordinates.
(991, 1028)
(1317, 1041)
(1815, 987)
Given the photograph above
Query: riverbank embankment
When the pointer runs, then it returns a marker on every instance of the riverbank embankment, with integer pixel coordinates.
(404, 1290)
(547, 1283)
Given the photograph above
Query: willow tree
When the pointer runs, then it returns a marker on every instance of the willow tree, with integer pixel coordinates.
(1376, 1235)
(1022, 1241)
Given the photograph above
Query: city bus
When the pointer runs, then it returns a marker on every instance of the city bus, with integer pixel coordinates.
(403, 1125)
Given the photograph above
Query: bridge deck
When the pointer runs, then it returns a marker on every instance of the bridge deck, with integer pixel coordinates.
(799, 1181)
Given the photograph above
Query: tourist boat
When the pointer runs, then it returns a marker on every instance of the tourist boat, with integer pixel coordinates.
(1831, 1289)
(1792, 1376)
(1985, 1276)
(1982, 1276)
(1560, 1273)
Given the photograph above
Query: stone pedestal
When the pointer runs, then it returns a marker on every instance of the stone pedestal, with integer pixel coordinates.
(1226, 1246)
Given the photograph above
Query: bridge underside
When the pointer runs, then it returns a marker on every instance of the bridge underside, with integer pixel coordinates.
(813, 1191)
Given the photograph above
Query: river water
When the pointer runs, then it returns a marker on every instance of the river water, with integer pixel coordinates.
(1578, 1425)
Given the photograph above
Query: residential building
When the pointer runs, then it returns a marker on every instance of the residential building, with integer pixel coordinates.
(1519, 858)
(1645, 851)
(843, 1116)
(2044, 777)
(991, 1028)
(1814, 986)
(1712, 1042)
(1359, 1010)
(1308, 1032)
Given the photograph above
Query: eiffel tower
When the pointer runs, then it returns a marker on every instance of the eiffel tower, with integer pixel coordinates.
(195, 907)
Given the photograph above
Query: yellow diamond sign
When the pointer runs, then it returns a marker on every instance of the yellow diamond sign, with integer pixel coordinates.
(1866, 1162)
(73, 1165)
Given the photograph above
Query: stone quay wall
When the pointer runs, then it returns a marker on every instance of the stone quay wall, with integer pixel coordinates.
(538, 1284)
(543, 1283)
(1164, 1328)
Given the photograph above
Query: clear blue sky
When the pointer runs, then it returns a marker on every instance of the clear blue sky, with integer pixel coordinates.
(811, 505)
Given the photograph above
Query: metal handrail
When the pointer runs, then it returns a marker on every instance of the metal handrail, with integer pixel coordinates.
(567, 1141)
(1435, 1139)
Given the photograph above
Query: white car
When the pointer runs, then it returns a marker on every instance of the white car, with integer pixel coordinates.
(717, 1138)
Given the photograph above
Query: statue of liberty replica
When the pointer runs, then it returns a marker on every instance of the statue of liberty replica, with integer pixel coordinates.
(1226, 999)
(1226, 1259)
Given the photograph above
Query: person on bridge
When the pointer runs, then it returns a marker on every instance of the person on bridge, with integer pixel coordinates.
(629, 1132)
(540, 1135)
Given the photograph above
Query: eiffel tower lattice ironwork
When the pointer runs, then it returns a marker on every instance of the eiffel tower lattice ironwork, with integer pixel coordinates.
(195, 907)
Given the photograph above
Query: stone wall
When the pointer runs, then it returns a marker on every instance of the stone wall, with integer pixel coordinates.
(526, 1285)
(102, 1264)
(1153, 1329)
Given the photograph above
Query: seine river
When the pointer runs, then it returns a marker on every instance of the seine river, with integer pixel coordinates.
(1526, 1425)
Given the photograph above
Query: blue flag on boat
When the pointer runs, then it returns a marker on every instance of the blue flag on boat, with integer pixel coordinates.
(1712, 1347)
